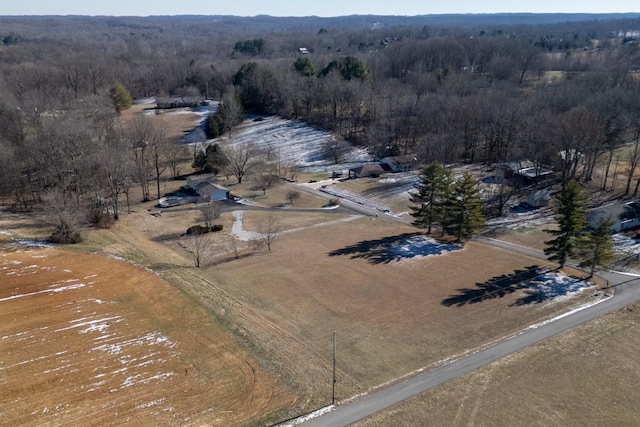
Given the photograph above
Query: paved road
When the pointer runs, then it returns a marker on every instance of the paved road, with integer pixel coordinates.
(627, 291)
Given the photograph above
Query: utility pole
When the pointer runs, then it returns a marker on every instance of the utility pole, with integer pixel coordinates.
(333, 389)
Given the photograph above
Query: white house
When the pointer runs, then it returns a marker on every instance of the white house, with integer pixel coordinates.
(404, 163)
(624, 215)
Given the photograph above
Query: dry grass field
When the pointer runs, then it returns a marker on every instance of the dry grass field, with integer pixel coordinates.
(248, 313)
(585, 377)
(391, 314)
(89, 340)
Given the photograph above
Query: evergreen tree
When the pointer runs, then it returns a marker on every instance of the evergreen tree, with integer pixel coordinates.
(213, 126)
(597, 246)
(349, 68)
(430, 196)
(199, 160)
(463, 214)
(216, 159)
(120, 96)
(304, 67)
(572, 221)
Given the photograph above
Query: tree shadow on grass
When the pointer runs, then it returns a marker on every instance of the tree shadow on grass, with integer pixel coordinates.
(539, 284)
(395, 248)
(167, 237)
(547, 287)
(496, 287)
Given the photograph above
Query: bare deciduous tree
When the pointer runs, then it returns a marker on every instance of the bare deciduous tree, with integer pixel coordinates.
(269, 229)
(292, 196)
(242, 158)
(264, 180)
(197, 245)
(210, 212)
(63, 215)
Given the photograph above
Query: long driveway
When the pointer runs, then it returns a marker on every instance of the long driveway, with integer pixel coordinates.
(627, 292)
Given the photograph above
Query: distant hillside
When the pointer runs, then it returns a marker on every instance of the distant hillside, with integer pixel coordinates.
(32, 25)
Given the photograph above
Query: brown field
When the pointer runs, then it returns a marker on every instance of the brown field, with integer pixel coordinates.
(388, 313)
(585, 377)
(284, 305)
(248, 314)
(88, 340)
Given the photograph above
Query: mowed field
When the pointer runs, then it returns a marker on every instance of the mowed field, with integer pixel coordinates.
(585, 377)
(89, 340)
(393, 313)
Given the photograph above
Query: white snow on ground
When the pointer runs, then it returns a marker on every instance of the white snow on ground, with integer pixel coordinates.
(624, 245)
(25, 242)
(556, 286)
(420, 247)
(521, 218)
(294, 142)
(312, 415)
(144, 101)
(569, 313)
(46, 291)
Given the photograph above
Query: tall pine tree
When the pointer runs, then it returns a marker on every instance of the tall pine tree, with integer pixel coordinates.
(571, 216)
(431, 194)
(597, 246)
(463, 208)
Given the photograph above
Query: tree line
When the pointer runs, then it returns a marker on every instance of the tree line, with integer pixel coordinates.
(477, 95)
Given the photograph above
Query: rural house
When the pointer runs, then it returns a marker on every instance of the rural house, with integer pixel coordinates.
(404, 163)
(525, 170)
(370, 169)
(178, 102)
(625, 215)
(207, 188)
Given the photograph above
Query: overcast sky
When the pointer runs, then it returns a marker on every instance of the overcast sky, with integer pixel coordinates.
(308, 7)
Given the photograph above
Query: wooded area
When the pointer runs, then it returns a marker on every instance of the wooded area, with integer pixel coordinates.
(483, 89)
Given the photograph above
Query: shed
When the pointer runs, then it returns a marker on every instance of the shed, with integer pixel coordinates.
(538, 198)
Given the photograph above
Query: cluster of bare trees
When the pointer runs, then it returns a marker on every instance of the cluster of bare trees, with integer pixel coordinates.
(81, 162)
(447, 94)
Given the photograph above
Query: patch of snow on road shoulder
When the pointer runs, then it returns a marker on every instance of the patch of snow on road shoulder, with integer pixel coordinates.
(312, 415)
(569, 313)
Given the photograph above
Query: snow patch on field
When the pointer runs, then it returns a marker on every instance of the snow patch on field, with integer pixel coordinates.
(294, 142)
(624, 245)
(54, 290)
(420, 247)
(521, 218)
(556, 286)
